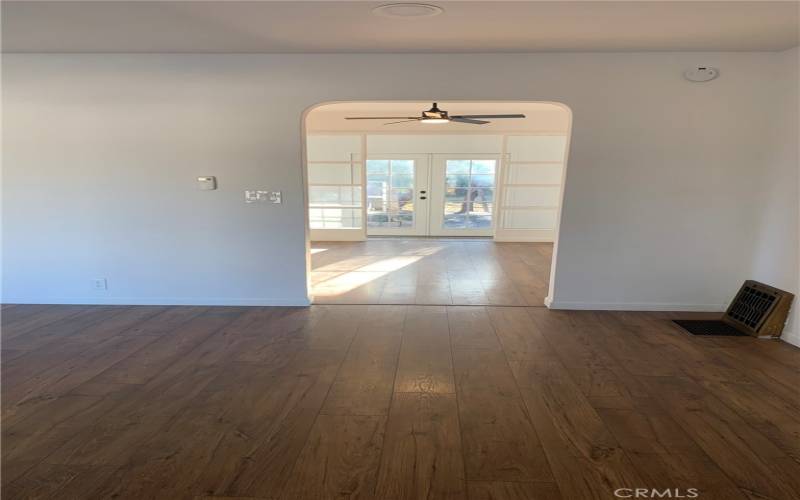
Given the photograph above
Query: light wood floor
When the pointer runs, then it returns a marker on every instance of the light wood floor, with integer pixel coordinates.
(389, 402)
(430, 272)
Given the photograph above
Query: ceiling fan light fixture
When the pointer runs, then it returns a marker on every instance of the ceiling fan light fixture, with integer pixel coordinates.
(438, 116)
(435, 115)
(407, 10)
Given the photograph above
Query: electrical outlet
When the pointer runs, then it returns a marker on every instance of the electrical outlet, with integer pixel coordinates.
(100, 284)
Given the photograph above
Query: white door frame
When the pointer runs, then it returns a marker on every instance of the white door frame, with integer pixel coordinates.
(438, 190)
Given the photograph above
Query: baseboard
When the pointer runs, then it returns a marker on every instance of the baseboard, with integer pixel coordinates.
(632, 306)
(158, 301)
(522, 239)
(791, 338)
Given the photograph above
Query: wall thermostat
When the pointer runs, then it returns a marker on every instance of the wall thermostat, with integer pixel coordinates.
(207, 183)
(701, 74)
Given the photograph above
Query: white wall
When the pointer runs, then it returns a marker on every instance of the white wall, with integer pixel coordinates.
(101, 151)
(434, 144)
(335, 176)
(531, 187)
(794, 102)
(775, 260)
(528, 187)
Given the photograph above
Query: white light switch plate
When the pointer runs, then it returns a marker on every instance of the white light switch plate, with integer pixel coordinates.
(253, 196)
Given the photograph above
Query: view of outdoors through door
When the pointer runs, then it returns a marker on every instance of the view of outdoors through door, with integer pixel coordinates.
(461, 196)
(390, 193)
(397, 195)
(469, 195)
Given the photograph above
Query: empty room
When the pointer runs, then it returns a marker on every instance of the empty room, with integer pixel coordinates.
(480, 250)
(442, 211)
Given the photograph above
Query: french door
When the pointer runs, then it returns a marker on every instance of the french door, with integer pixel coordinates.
(463, 190)
(397, 195)
(436, 195)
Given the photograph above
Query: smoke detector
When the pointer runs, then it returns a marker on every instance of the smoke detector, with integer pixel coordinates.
(407, 10)
(701, 74)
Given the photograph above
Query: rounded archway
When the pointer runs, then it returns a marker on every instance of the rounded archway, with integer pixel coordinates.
(393, 177)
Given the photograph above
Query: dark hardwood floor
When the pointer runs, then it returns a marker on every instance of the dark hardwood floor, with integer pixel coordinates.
(389, 402)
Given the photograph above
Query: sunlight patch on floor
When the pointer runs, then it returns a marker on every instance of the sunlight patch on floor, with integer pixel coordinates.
(347, 281)
(426, 251)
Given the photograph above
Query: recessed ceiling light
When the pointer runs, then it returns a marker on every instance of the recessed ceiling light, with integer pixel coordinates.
(407, 10)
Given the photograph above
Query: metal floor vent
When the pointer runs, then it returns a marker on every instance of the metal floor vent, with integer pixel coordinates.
(705, 327)
(751, 306)
(759, 310)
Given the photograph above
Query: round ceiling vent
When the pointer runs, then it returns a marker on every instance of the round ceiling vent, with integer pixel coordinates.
(407, 10)
(701, 74)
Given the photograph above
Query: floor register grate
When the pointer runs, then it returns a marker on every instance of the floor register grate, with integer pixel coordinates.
(705, 327)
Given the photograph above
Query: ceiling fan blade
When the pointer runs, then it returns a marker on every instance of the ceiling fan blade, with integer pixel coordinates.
(380, 117)
(461, 119)
(404, 121)
(488, 116)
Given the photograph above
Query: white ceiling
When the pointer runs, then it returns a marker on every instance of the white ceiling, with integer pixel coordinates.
(333, 26)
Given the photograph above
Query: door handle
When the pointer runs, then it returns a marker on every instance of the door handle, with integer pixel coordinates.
(422, 192)
(423, 198)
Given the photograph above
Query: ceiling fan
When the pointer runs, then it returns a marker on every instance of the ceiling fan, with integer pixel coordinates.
(436, 115)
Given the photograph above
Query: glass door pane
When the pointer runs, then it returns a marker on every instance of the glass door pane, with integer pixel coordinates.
(463, 194)
(469, 194)
(392, 203)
